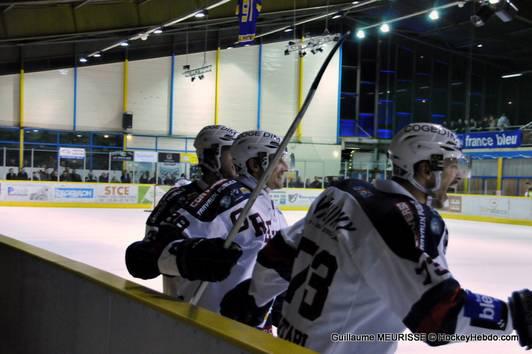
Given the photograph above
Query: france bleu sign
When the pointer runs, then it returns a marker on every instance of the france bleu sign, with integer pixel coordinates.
(491, 140)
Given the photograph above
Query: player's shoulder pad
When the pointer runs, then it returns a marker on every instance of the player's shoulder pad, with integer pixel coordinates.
(406, 225)
(221, 196)
(174, 199)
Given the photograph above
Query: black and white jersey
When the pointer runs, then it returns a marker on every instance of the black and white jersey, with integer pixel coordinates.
(164, 216)
(369, 260)
(212, 214)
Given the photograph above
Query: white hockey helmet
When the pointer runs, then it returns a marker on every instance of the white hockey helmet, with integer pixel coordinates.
(424, 142)
(209, 143)
(254, 144)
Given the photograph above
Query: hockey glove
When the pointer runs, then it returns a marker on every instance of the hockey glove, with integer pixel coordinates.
(141, 259)
(238, 305)
(521, 308)
(205, 259)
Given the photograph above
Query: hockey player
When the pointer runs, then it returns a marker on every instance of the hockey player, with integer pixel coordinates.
(212, 146)
(370, 259)
(211, 216)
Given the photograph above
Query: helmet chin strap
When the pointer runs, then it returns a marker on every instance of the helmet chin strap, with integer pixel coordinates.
(428, 191)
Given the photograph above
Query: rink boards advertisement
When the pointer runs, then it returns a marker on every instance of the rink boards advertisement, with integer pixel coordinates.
(518, 209)
(41, 192)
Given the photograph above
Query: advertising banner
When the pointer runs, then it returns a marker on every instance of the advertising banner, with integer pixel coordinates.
(145, 156)
(116, 193)
(25, 192)
(491, 140)
(295, 198)
(121, 156)
(167, 157)
(72, 153)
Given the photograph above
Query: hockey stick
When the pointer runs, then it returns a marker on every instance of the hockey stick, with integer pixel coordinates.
(264, 178)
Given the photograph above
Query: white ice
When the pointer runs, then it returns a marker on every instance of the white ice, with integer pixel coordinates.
(488, 258)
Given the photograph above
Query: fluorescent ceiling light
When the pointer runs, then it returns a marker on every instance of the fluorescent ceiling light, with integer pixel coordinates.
(361, 34)
(158, 31)
(82, 60)
(507, 76)
(434, 15)
(97, 55)
(385, 28)
(124, 44)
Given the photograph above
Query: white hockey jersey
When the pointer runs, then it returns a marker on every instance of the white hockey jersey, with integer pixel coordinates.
(212, 215)
(369, 260)
(165, 213)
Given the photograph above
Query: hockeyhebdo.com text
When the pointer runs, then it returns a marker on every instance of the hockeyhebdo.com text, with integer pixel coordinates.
(421, 337)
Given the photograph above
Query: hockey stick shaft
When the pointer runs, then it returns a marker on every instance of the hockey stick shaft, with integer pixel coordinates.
(266, 176)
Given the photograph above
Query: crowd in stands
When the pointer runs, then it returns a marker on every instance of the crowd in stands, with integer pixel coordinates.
(72, 175)
(487, 123)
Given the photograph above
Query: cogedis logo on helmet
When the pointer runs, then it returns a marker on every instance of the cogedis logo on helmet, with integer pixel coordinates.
(428, 129)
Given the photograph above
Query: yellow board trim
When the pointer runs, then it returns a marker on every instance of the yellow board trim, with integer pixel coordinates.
(234, 332)
(21, 91)
(499, 176)
(217, 88)
(126, 81)
(487, 219)
(299, 129)
(21, 149)
(21, 98)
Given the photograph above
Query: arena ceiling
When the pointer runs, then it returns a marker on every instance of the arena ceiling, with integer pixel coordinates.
(46, 34)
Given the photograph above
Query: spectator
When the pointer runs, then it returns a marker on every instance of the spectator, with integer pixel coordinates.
(298, 182)
(65, 176)
(43, 176)
(53, 175)
(104, 177)
(114, 179)
(145, 177)
(11, 174)
(316, 183)
(503, 122)
(35, 176)
(75, 177)
(22, 175)
(460, 125)
(168, 180)
(452, 125)
(485, 123)
(492, 123)
(152, 180)
(307, 183)
(90, 177)
(125, 177)
(473, 124)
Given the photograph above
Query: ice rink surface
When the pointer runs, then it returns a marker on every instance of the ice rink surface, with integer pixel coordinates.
(491, 259)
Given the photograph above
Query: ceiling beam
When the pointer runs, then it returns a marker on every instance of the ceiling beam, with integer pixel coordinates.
(79, 6)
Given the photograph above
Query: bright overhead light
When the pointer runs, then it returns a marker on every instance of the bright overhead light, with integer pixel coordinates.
(82, 60)
(158, 31)
(434, 15)
(124, 44)
(509, 102)
(507, 76)
(289, 29)
(385, 28)
(361, 34)
(200, 14)
(144, 37)
(97, 55)
(480, 45)
(336, 16)
(35, 130)
(493, 2)
(355, 2)
(79, 136)
(106, 136)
